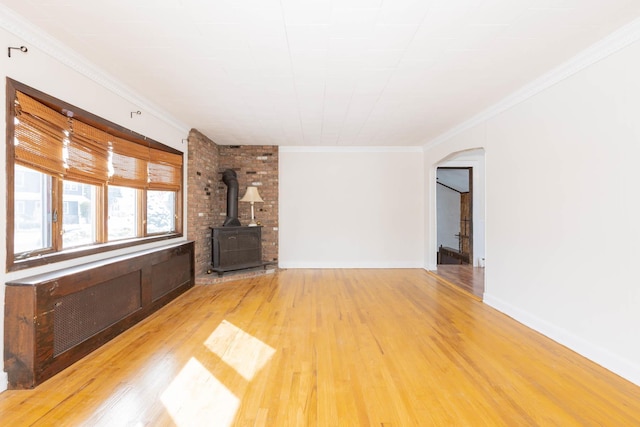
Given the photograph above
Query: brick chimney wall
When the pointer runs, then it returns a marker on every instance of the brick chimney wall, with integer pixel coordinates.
(255, 165)
(202, 185)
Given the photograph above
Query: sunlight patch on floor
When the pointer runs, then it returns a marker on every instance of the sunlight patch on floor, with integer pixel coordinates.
(197, 398)
(240, 350)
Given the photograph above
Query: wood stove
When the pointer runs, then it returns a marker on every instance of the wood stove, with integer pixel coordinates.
(236, 248)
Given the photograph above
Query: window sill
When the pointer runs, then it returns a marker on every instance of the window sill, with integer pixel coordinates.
(51, 258)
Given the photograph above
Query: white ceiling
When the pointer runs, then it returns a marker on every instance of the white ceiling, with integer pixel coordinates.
(323, 72)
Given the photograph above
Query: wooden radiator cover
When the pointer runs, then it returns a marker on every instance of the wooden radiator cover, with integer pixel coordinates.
(55, 319)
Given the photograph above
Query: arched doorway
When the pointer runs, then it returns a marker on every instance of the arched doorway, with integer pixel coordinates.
(460, 221)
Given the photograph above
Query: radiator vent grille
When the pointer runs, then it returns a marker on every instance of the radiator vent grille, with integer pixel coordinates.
(83, 314)
(169, 275)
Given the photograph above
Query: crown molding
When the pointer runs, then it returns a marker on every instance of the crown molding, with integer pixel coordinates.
(36, 37)
(609, 45)
(350, 149)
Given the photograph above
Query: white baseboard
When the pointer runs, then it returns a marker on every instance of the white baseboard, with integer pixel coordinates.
(363, 264)
(4, 381)
(603, 357)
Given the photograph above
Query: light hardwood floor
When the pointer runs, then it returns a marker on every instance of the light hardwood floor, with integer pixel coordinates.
(464, 276)
(328, 348)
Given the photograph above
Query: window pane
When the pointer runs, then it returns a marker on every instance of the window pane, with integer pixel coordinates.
(123, 207)
(32, 215)
(79, 214)
(161, 209)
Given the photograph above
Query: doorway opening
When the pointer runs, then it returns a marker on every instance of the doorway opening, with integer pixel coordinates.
(454, 201)
(457, 261)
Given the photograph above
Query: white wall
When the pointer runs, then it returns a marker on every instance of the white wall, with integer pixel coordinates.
(562, 230)
(67, 79)
(448, 216)
(349, 208)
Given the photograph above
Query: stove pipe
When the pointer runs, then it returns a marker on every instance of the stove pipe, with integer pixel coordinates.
(230, 178)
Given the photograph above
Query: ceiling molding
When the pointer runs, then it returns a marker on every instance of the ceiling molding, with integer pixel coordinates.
(36, 37)
(609, 45)
(350, 149)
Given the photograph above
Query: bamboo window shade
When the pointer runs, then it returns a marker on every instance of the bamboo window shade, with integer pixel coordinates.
(42, 135)
(88, 154)
(39, 136)
(165, 170)
(129, 162)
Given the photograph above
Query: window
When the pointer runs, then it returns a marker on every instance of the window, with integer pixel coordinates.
(83, 185)
(123, 213)
(21, 208)
(70, 186)
(161, 209)
(79, 214)
(32, 219)
(19, 179)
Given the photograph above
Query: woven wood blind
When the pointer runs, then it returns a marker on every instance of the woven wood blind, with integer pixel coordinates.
(129, 162)
(39, 136)
(165, 170)
(88, 154)
(55, 144)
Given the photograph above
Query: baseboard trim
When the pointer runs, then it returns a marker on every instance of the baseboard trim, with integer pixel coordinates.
(4, 381)
(603, 357)
(346, 265)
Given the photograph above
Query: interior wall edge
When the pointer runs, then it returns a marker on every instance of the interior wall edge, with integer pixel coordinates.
(619, 366)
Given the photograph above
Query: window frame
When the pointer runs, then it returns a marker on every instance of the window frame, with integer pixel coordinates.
(56, 253)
